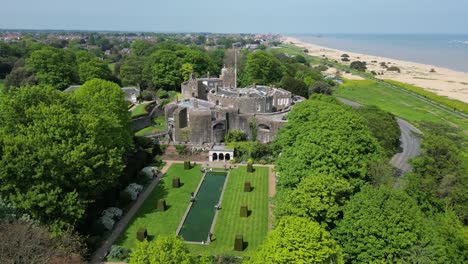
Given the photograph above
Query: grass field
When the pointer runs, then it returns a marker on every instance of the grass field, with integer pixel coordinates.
(159, 124)
(163, 223)
(369, 92)
(229, 223)
(139, 110)
(254, 228)
(456, 104)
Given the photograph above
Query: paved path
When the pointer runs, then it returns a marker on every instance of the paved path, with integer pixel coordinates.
(101, 253)
(410, 143)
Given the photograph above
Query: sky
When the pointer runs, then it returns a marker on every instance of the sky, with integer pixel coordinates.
(239, 16)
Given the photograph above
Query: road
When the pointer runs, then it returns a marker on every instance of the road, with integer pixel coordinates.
(410, 142)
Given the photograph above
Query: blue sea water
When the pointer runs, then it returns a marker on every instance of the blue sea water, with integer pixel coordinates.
(448, 51)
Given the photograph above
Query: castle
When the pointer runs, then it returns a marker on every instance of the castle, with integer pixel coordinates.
(210, 107)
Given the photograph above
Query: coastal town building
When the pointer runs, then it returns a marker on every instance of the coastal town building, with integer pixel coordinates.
(212, 106)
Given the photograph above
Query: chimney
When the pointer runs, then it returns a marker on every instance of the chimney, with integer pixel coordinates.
(195, 103)
(216, 87)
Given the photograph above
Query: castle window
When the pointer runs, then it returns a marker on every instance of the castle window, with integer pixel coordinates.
(259, 108)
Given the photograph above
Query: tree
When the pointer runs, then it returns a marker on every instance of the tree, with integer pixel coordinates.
(95, 68)
(358, 65)
(59, 152)
(131, 71)
(235, 136)
(54, 67)
(26, 243)
(297, 87)
(187, 69)
(317, 197)
(383, 126)
(439, 179)
(298, 240)
(321, 87)
(324, 137)
(262, 68)
(165, 68)
(163, 250)
(19, 77)
(380, 225)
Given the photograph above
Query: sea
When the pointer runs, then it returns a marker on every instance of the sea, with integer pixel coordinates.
(443, 50)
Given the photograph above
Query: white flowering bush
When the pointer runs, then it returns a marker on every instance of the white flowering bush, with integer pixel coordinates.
(134, 189)
(107, 222)
(149, 172)
(113, 213)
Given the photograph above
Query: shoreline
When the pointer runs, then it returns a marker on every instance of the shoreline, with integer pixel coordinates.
(443, 81)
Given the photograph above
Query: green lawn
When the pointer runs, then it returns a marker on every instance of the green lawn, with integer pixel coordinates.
(177, 200)
(229, 223)
(159, 124)
(369, 92)
(140, 110)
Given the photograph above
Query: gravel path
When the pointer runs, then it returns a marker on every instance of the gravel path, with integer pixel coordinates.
(101, 253)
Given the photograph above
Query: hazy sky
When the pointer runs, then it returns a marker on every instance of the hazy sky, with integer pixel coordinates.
(279, 16)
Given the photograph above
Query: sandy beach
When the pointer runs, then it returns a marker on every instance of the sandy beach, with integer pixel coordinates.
(442, 81)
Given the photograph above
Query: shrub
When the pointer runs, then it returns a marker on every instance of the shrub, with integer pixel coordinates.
(358, 65)
(432, 70)
(176, 182)
(107, 222)
(235, 136)
(113, 212)
(244, 211)
(187, 165)
(345, 56)
(181, 149)
(162, 205)
(239, 243)
(373, 73)
(134, 189)
(118, 252)
(394, 69)
(321, 68)
(142, 233)
(247, 186)
(321, 88)
(345, 59)
(148, 95)
(250, 165)
(162, 94)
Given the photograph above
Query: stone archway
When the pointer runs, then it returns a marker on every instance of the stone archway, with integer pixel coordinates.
(227, 157)
(215, 156)
(221, 156)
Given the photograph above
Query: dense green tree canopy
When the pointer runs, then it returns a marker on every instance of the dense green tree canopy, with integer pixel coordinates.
(95, 68)
(381, 225)
(295, 86)
(262, 68)
(163, 250)
(58, 152)
(298, 240)
(324, 138)
(383, 126)
(439, 179)
(317, 197)
(53, 67)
